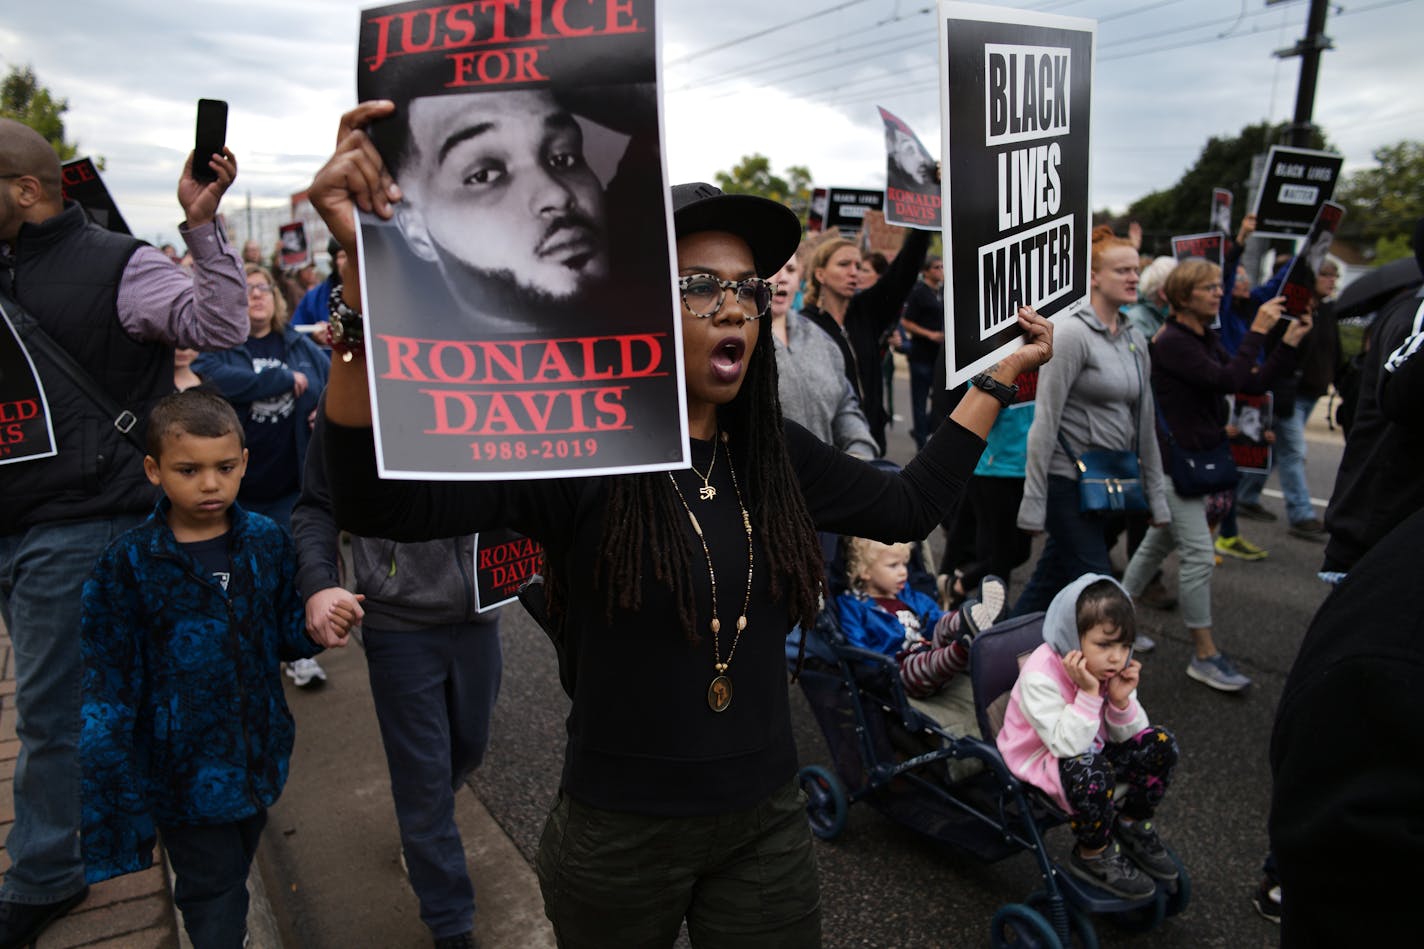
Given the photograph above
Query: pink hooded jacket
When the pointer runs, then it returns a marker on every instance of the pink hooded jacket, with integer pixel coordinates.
(1048, 719)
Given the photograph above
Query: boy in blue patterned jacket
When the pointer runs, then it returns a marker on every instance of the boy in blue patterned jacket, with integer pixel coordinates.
(185, 728)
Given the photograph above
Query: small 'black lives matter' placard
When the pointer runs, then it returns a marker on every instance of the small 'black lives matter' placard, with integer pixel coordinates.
(81, 183)
(1297, 182)
(1299, 285)
(1210, 246)
(1017, 90)
(503, 561)
(912, 197)
(520, 309)
(26, 433)
(846, 208)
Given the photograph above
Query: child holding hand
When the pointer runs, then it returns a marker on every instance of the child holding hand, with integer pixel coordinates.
(186, 733)
(1075, 730)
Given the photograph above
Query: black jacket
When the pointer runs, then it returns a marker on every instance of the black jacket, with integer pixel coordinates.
(869, 316)
(1381, 477)
(1347, 759)
(65, 278)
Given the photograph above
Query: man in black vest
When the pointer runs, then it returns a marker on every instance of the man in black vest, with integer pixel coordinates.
(117, 307)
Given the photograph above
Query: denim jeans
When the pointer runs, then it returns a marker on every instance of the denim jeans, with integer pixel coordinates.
(1077, 544)
(42, 574)
(921, 380)
(434, 690)
(1288, 456)
(210, 867)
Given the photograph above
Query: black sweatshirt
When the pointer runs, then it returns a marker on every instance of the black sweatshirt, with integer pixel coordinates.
(642, 737)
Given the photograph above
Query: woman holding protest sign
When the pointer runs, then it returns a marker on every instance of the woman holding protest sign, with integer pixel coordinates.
(671, 775)
(859, 319)
(1093, 397)
(1191, 377)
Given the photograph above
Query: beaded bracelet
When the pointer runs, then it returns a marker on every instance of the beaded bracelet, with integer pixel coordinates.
(347, 333)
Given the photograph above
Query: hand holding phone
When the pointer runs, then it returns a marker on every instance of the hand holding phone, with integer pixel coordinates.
(210, 139)
(201, 187)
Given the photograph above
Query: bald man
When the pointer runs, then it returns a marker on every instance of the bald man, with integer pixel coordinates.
(117, 307)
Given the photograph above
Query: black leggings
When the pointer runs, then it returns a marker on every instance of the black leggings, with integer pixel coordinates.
(1144, 762)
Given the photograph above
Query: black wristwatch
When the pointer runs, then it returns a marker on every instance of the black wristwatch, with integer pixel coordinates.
(989, 385)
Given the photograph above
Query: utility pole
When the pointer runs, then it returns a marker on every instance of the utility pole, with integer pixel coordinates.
(1308, 49)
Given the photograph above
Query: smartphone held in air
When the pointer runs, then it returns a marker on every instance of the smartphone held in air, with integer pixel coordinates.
(210, 139)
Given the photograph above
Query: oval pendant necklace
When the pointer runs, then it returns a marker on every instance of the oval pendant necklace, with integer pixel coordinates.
(719, 692)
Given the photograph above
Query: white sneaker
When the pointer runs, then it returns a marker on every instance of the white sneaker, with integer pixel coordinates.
(305, 671)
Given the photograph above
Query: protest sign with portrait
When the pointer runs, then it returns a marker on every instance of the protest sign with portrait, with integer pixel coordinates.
(1299, 285)
(912, 197)
(1250, 417)
(1297, 182)
(292, 238)
(1017, 90)
(1220, 210)
(80, 182)
(520, 313)
(26, 431)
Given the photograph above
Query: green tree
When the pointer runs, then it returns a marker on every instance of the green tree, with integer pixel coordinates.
(23, 98)
(1223, 163)
(1383, 203)
(753, 175)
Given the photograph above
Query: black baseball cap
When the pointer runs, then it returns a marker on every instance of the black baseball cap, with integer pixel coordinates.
(771, 230)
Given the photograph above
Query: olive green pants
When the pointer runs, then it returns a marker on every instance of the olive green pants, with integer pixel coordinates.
(745, 880)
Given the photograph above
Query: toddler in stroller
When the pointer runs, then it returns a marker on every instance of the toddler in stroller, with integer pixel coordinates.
(1074, 729)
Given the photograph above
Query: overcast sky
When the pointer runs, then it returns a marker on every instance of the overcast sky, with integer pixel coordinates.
(1170, 74)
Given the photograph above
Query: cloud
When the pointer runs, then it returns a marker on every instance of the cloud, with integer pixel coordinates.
(132, 71)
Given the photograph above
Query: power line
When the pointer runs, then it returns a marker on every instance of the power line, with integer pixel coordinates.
(799, 21)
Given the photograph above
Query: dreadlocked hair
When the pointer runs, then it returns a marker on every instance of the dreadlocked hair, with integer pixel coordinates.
(642, 509)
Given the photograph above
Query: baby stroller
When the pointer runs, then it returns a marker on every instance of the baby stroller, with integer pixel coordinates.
(893, 756)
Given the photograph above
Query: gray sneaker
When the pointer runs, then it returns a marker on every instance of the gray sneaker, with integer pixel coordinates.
(1142, 845)
(1112, 871)
(1218, 672)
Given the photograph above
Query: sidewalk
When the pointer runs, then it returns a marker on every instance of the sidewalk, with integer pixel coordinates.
(130, 912)
(330, 856)
(328, 871)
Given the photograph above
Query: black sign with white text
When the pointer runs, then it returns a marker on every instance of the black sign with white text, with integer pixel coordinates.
(846, 207)
(1297, 182)
(1018, 89)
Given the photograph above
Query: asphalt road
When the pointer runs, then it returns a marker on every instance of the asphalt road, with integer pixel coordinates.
(884, 886)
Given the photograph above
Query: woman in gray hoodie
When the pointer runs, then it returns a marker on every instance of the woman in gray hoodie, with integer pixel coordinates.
(1096, 393)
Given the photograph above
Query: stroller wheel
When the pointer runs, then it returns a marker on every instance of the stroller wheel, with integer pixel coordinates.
(1016, 925)
(825, 801)
(1081, 934)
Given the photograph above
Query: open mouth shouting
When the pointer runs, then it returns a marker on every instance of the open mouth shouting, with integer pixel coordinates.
(727, 359)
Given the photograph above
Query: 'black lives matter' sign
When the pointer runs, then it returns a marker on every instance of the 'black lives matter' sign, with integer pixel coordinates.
(1017, 88)
(1298, 181)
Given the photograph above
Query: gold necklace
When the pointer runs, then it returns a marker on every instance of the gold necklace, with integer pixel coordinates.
(719, 692)
(707, 492)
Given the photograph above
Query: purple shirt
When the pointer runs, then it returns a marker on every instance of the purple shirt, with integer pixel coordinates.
(161, 302)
